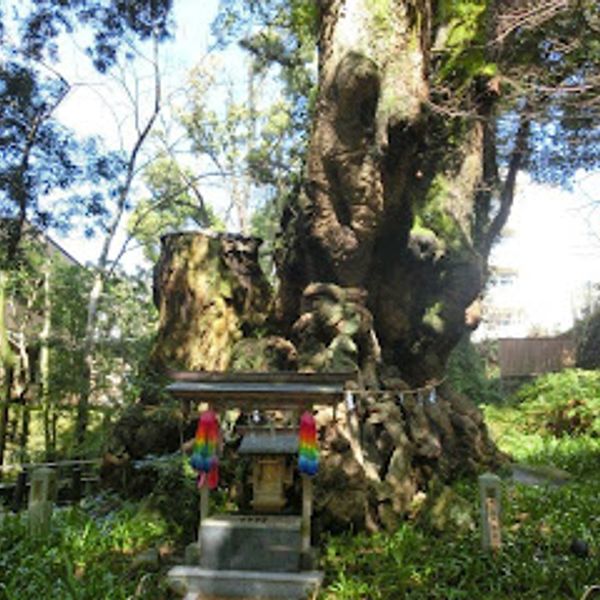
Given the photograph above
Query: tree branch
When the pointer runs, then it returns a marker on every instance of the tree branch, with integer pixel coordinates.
(528, 17)
(508, 189)
(100, 271)
(21, 195)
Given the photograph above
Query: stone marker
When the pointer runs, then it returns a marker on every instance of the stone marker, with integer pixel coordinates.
(42, 495)
(490, 492)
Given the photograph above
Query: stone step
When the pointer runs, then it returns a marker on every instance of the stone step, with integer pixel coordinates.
(540, 475)
(256, 543)
(209, 584)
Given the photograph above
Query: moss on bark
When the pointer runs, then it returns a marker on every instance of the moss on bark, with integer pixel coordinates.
(210, 292)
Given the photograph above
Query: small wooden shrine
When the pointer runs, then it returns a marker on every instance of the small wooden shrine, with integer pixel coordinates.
(270, 541)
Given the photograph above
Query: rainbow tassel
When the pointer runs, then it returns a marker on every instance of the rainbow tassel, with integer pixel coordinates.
(308, 454)
(204, 456)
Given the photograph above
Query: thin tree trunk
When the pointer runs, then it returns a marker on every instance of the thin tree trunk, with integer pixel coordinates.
(6, 365)
(23, 381)
(25, 410)
(89, 347)
(4, 411)
(102, 266)
(44, 369)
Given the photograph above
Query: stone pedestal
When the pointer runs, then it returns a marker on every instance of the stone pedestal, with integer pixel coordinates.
(248, 557)
(251, 543)
(208, 584)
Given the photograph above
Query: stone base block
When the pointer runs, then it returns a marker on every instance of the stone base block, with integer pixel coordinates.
(209, 584)
(253, 543)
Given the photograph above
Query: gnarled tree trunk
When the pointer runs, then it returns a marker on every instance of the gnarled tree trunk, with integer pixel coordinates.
(381, 261)
(396, 198)
(399, 207)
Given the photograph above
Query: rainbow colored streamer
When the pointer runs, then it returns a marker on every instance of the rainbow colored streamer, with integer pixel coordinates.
(308, 453)
(204, 455)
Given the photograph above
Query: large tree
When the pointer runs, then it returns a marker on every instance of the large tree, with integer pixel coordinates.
(423, 115)
(407, 185)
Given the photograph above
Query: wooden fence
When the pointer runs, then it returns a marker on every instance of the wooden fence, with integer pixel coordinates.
(534, 356)
(76, 478)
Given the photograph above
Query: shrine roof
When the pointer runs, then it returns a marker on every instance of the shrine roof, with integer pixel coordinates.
(276, 390)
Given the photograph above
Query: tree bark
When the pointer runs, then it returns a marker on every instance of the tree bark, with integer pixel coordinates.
(213, 302)
(44, 367)
(390, 187)
(6, 366)
(209, 291)
(382, 259)
(24, 389)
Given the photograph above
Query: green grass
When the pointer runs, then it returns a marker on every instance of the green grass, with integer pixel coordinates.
(88, 554)
(90, 550)
(538, 526)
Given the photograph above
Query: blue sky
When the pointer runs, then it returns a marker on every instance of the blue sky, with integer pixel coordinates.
(101, 106)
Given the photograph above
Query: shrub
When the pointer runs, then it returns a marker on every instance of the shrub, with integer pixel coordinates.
(467, 374)
(587, 333)
(566, 403)
(88, 553)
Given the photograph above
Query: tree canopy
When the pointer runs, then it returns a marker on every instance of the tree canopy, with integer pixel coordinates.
(45, 166)
(541, 61)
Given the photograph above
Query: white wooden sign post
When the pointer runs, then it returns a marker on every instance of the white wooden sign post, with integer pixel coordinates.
(490, 492)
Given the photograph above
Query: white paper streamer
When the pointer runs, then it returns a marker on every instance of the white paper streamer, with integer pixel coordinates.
(349, 398)
(432, 396)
